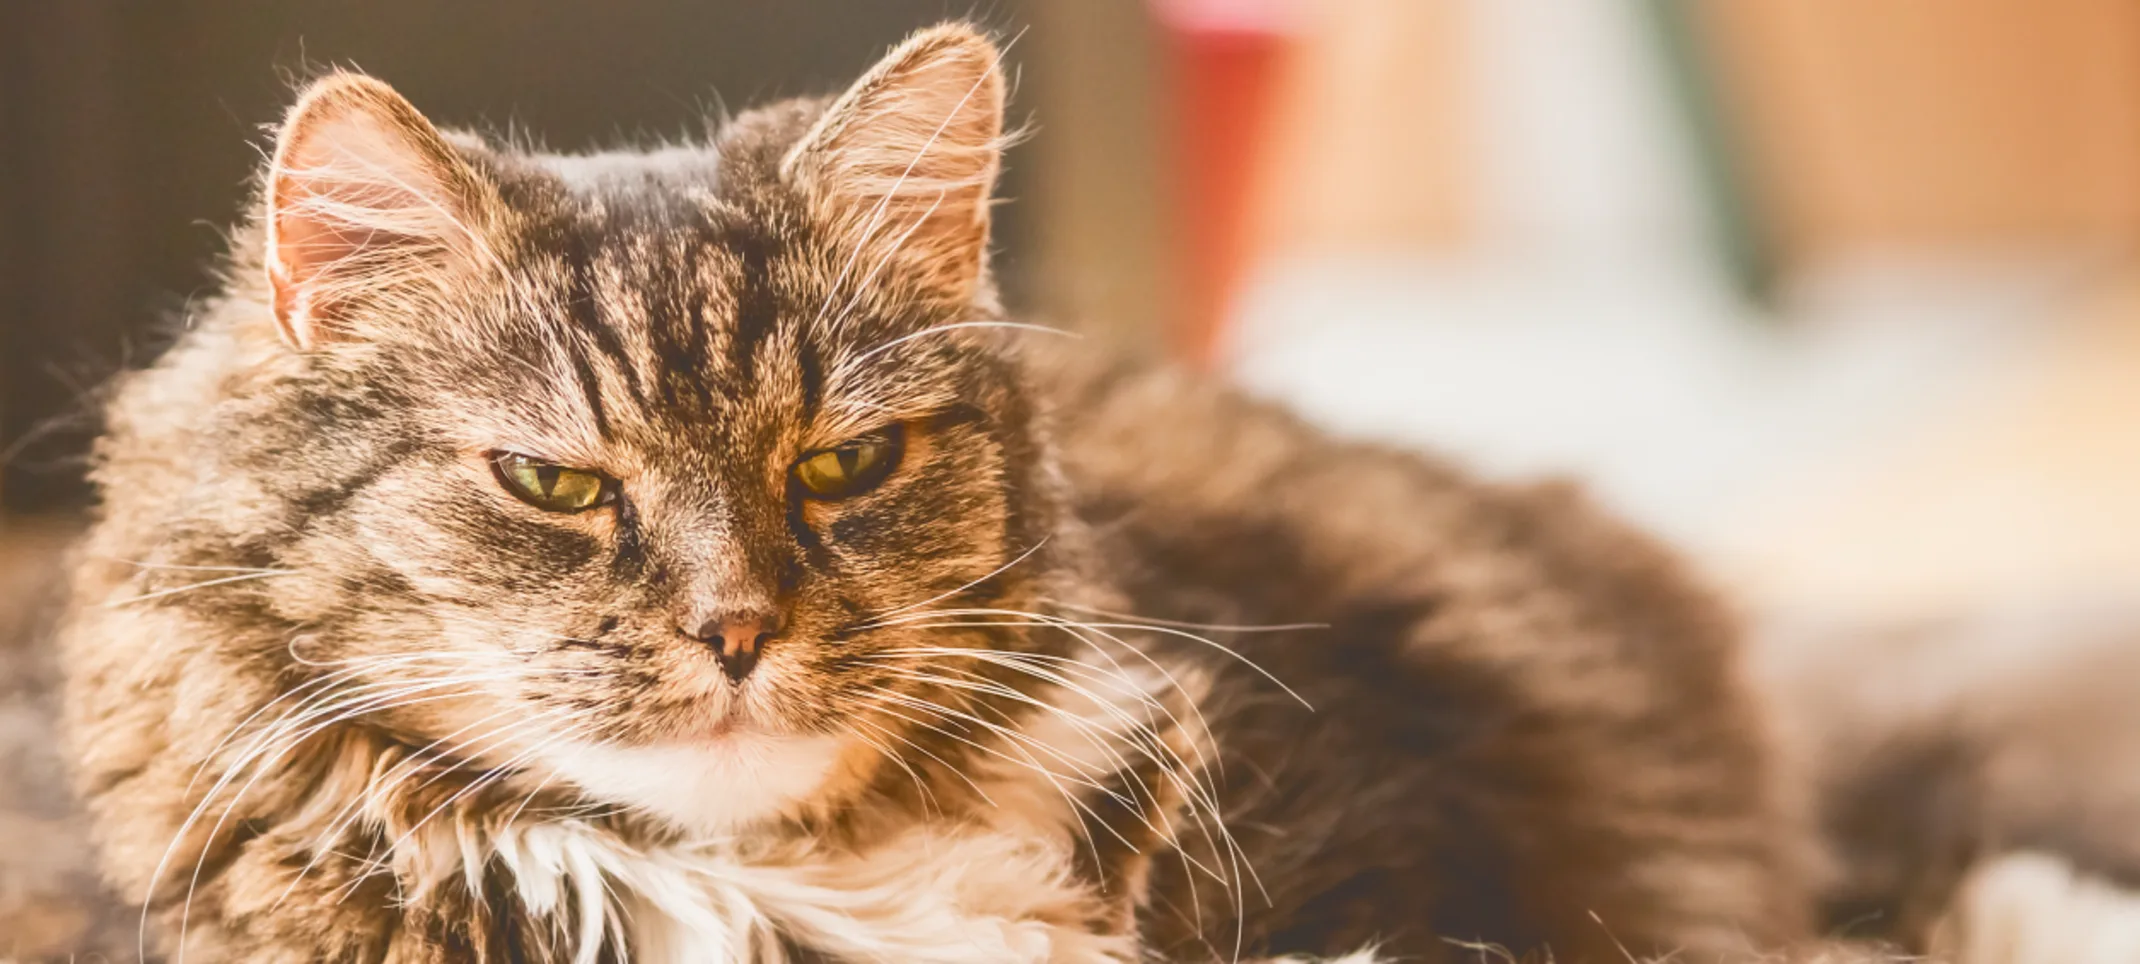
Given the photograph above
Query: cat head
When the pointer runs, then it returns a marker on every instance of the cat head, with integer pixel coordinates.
(668, 474)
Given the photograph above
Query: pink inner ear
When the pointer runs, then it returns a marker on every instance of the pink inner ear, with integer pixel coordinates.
(303, 247)
(323, 253)
(366, 200)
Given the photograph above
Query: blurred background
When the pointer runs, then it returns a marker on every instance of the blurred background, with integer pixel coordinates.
(1840, 297)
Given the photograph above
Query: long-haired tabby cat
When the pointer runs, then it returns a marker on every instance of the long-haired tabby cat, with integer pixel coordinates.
(676, 556)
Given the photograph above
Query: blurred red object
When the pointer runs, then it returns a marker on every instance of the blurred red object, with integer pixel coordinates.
(1225, 59)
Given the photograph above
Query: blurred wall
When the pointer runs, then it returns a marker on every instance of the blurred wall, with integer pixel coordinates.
(1372, 142)
(1546, 125)
(1936, 123)
(1097, 201)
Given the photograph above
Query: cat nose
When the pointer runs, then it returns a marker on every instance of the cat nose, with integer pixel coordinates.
(737, 638)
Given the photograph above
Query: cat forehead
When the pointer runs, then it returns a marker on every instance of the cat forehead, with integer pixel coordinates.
(706, 239)
(669, 326)
(669, 337)
(686, 291)
(688, 296)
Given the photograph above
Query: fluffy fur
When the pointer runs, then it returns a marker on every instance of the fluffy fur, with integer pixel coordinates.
(1113, 666)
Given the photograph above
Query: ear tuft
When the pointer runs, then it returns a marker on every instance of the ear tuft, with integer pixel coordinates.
(906, 160)
(366, 202)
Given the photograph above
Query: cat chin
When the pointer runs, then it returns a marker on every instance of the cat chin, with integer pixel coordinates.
(712, 786)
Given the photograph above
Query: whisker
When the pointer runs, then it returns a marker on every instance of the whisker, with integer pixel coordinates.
(289, 732)
(514, 817)
(993, 573)
(1139, 736)
(1179, 624)
(924, 751)
(246, 760)
(1160, 629)
(929, 800)
(1201, 797)
(351, 812)
(891, 252)
(979, 684)
(1078, 631)
(1029, 763)
(487, 779)
(175, 567)
(175, 590)
(1050, 673)
(1142, 738)
(1018, 741)
(937, 329)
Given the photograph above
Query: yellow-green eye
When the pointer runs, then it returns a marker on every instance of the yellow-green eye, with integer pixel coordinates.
(549, 486)
(851, 467)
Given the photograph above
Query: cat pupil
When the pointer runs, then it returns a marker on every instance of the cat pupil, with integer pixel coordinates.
(546, 478)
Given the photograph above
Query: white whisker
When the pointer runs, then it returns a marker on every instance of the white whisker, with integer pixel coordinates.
(1161, 629)
(174, 567)
(939, 597)
(1178, 624)
(175, 590)
(851, 363)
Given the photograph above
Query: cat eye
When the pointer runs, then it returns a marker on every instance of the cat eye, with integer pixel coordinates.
(549, 486)
(851, 467)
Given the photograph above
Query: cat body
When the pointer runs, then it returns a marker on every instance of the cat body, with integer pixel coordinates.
(677, 557)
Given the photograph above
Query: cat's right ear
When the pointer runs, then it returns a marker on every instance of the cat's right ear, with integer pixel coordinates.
(367, 207)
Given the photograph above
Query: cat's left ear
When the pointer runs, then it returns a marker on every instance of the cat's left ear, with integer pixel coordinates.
(905, 161)
(370, 212)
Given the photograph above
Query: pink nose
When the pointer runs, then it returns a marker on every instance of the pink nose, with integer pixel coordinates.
(737, 639)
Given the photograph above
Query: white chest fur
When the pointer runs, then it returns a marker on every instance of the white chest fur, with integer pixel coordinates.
(940, 896)
(710, 787)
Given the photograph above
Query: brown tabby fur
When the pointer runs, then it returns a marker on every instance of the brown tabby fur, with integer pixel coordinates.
(1527, 730)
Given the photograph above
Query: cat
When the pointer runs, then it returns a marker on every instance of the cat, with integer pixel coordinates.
(678, 555)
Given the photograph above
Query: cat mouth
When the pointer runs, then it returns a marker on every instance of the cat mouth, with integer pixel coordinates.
(721, 719)
(728, 724)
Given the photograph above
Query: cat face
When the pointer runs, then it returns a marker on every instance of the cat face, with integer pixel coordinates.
(656, 472)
